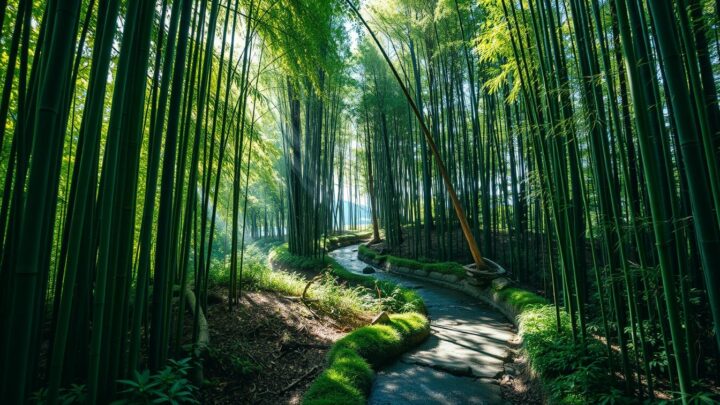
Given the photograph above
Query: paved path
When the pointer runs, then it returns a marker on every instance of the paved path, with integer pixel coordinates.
(460, 360)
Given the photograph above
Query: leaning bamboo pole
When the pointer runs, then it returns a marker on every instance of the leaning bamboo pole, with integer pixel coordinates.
(459, 212)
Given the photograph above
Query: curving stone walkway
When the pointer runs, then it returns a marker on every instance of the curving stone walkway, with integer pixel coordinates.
(460, 361)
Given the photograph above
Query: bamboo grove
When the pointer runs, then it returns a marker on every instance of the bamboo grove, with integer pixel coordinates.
(582, 137)
(135, 155)
(144, 144)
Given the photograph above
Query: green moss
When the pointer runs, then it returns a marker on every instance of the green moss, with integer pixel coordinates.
(436, 267)
(371, 253)
(380, 343)
(520, 299)
(343, 273)
(348, 378)
(347, 238)
(346, 381)
(374, 343)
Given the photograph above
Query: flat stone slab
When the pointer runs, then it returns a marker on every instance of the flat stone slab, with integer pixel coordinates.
(403, 383)
(460, 361)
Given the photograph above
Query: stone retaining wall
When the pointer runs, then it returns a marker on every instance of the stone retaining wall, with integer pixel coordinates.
(471, 287)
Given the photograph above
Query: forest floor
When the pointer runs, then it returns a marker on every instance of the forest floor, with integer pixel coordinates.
(266, 351)
(269, 349)
(471, 356)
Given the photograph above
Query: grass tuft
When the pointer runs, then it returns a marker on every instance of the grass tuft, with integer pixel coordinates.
(326, 295)
(520, 299)
(392, 297)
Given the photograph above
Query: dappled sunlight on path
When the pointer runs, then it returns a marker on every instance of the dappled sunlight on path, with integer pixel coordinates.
(463, 357)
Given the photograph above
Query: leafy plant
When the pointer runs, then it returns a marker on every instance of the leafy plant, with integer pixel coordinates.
(167, 386)
(75, 394)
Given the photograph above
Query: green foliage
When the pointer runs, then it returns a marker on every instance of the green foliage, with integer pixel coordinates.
(325, 294)
(347, 238)
(386, 295)
(75, 394)
(370, 253)
(393, 297)
(346, 381)
(573, 372)
(168, 385)
(281, 255)
(348, 378)
(520, 299)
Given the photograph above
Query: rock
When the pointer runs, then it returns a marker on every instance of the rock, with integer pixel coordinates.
(456, 370)
(472, 281)
(510, 370)
(500, 283)
(381, 318)
(354, 250)
(436, 276)
(421, 273)
(368, 270)
(450, 278)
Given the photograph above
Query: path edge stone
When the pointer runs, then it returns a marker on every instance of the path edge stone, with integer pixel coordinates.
(488, 295)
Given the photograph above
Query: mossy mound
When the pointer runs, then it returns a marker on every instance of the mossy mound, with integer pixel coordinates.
(351, 361)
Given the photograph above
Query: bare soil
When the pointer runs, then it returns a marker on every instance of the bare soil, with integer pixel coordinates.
(517, 384)
(279, 343)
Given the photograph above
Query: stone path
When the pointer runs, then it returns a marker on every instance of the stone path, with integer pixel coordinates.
(458, 363)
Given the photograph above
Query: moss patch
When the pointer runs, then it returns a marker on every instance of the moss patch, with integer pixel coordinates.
(347, 238)
(370, 253)
(453, 268)
(520, 299)
(348, 378)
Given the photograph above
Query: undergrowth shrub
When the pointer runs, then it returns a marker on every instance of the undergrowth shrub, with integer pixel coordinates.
(169, 385)
(380, 295)
(74, 394)
(520, 299)
(572, 372)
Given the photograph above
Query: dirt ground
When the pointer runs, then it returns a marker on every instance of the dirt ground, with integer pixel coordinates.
(517, 385)
(266, 351)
